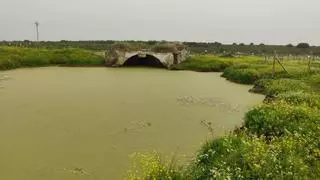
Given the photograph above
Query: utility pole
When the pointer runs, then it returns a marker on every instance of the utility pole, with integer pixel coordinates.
(37, 29)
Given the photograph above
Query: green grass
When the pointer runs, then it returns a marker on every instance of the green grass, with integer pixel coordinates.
(278, 119)
(248, 157)
(203, 64)
(246, 69)
(150, 166)
(297, 98)
(279, 139)
(272, 87)
(12, 57)
(244, 76)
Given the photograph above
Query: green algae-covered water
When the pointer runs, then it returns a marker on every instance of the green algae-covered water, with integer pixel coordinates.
(83, 123)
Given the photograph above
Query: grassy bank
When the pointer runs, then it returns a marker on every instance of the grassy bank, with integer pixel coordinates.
(279, 139)
(13, 57)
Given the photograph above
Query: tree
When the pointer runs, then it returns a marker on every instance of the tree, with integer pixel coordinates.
(289, 45)
(163, 48)
(217, 44)
(122, 46)
(303, 45)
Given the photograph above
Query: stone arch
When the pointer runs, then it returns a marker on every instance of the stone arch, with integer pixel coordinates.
(118, 58)
(143, 60)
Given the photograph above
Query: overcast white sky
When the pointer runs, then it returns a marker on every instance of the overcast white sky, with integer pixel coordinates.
(227, 21)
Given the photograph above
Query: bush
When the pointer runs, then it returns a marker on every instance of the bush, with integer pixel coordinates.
(247, 157)
(208, 64)
(34, 59)
(303, 45)
(314, 81)
(227, 55)
(121, 46)
(165, 48)
(272, 87)
(299, 98)
(152, 166)
(11, 58)
(289, 45)
(278, 119)
(9, 63)
(80, 57)
(244, 76)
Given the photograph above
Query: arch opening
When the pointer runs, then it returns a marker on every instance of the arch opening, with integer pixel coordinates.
(148, 60)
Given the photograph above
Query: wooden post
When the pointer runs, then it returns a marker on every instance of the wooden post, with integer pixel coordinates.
(265, 58)
(309, 62)
(275, 58)
(281, 65)
(274, 64)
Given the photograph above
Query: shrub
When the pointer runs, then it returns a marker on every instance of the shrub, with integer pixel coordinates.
(150, 166)
(121, 46)
(303, 45)
(314, 81)
(165, 48)
(208, 64)
(271, 87)
(289, 45)
(9, 63)
(227, 55)
(299, 98)
(80, 57)
(244, 76)
(278, 119)
(11, 58)
(34, 58)
(247, 157)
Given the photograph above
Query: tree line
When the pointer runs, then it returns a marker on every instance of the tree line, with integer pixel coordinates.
(193, 47)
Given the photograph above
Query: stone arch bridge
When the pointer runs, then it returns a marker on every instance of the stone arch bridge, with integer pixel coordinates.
(144, 58)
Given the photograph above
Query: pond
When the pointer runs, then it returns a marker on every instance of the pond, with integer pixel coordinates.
(60, 123)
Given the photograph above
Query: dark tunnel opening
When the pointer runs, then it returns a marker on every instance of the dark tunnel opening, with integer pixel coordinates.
(148, 60)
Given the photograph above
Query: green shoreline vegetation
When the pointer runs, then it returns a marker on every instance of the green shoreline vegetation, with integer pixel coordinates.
(279, 139)
(14, 57)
